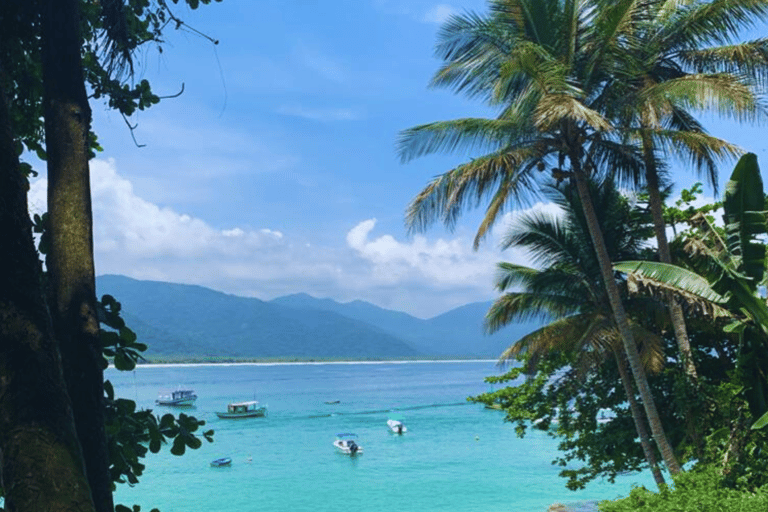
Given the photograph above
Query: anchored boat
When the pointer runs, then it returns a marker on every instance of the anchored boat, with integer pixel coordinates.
(250, 409)
(180, 397)
(347, 443)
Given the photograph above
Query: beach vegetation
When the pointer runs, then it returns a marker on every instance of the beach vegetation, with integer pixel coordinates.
(593, 95)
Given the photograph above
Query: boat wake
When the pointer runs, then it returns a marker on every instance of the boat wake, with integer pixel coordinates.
(381, 411)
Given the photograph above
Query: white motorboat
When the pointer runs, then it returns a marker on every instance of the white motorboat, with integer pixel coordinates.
(347, 443)
(397, 426)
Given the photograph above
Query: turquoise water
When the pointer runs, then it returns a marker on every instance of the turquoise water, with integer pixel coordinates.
(456, 456)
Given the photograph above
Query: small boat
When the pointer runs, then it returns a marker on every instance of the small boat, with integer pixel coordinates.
(347, 443)
(180, 397)
(250, 409)
(224, 461)
(396, 426)
(333, 402)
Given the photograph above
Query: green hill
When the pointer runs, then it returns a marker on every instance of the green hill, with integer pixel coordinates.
(186, 321)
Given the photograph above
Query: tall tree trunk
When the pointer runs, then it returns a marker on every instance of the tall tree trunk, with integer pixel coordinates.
(42, 465)
(659, 226)
(675, 310)
(70, 260)
(620, 317)
(639, 418)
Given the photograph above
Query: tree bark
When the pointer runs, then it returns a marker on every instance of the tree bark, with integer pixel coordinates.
(660, 228)
(42, 464)
(620, 316)
(639, 418)
(70, 260)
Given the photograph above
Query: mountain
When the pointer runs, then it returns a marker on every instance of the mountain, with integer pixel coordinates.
(192, 321)
(178, 320)
(458, 332)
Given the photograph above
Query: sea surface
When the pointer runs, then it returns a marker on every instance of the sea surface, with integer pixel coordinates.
(455, 457)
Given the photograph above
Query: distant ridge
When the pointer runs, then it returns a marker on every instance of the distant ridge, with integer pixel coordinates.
(189, 321)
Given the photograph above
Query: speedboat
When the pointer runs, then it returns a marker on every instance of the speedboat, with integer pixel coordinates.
(224, 461)
(396, 426)
(180, 397)
(347, 443)
(250, 409)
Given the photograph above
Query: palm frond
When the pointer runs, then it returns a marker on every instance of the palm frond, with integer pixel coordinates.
(662, 278)
(470, 183)
(749, 58)
(725, 93)
(468, 134)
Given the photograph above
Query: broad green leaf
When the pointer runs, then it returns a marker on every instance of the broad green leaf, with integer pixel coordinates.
(761, 422)
(672, 276)
(745, 218)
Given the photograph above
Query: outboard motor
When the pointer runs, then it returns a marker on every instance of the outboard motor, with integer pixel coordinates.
(352, 447)
(400, 428)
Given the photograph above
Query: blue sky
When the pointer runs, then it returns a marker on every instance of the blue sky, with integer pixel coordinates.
(275, 171)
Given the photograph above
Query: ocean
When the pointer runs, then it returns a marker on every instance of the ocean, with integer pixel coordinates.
(455, 457)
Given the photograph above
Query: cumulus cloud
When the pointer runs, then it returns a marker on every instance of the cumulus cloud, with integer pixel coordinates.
(440, 262)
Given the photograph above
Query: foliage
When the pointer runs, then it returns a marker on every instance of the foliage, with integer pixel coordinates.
(131, 433)
(699, 490)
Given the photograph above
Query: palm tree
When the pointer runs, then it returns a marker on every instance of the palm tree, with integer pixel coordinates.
(546, 65)
(683, 57)
(733, 268)
(567, 288)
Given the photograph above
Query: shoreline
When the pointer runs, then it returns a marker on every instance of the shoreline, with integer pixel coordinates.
(166, 364)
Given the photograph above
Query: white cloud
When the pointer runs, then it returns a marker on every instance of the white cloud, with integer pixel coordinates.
(143, 240)
(439, 14)
(319, 114)
(441, 263)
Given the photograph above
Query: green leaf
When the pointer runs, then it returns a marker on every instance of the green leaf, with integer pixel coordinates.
(672, 275)
(745, 218)
(179, 447)
(123, 362)
(761, 422)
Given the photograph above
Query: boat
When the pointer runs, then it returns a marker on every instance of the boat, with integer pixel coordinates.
(333, 402)
(347, 443)
(180, 397)
(250, 409)
(224, 461)
(397, 426)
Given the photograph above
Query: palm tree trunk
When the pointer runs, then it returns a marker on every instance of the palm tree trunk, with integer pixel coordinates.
(41, 462)
(675, 310)
(620, 317)
(659, 226)
(639, 419)
(70, 260)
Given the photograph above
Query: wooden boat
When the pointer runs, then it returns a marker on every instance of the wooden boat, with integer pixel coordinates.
(250, 409)
(178, 398)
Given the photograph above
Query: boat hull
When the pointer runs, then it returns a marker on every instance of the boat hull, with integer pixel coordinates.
(346, 450)
(260, 412)
(186, 402)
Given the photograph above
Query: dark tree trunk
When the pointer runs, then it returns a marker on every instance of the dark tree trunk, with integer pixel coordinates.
(42, 465)
(639, 418)
(70, 260)
(621, 319)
